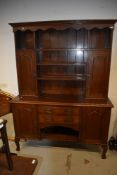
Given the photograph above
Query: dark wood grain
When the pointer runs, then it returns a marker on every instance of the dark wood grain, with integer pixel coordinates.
(63, 75)
(5, 106)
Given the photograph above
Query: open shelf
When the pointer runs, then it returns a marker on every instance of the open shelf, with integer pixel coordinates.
(62, 56)
(70, 38)
(59, 90)
(61, 98)
(59, 132)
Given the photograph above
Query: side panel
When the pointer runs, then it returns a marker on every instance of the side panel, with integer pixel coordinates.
(26, 69)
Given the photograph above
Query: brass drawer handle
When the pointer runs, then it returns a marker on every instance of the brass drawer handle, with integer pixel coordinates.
(69, 111)
(48, 111)
(48, 118)
(27, 109)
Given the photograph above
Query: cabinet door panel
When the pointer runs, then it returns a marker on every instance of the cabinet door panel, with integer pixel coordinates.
(25, 120)
(26, 68)
(100, 38)
(95, 124)
(97, 84)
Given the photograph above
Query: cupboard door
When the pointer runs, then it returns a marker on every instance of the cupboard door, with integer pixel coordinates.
(95, 124)
(98, 67)
(26, 69)
(25, 120)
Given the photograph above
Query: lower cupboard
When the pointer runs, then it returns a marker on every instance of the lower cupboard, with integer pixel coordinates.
(62, 122)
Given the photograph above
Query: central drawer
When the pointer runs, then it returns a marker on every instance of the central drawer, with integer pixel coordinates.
(59, 115)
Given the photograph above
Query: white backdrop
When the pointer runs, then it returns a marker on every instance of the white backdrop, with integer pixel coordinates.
(39, 10)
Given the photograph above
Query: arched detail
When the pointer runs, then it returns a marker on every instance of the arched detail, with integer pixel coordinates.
(56, 129)
(75, 27)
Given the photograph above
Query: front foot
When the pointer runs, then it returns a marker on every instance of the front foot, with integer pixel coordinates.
(104, 151)
(17, 139)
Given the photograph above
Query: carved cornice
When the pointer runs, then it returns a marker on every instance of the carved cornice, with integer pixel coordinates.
(62, 25)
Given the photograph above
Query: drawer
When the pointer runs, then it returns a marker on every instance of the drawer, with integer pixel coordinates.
(59, 115)
(59, 110)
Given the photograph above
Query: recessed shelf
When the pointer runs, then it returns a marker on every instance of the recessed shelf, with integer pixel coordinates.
(55, 132)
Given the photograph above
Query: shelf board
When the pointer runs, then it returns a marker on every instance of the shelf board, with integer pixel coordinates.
(61, 77)
(62, 49)
(71, 49)
(61, 64)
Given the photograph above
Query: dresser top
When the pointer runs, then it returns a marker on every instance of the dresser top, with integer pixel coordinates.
(62, 24)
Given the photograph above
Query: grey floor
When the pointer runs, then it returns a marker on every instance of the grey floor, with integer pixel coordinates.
(65, 158)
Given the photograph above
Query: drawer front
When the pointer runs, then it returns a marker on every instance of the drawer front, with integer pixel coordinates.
(59, 115)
